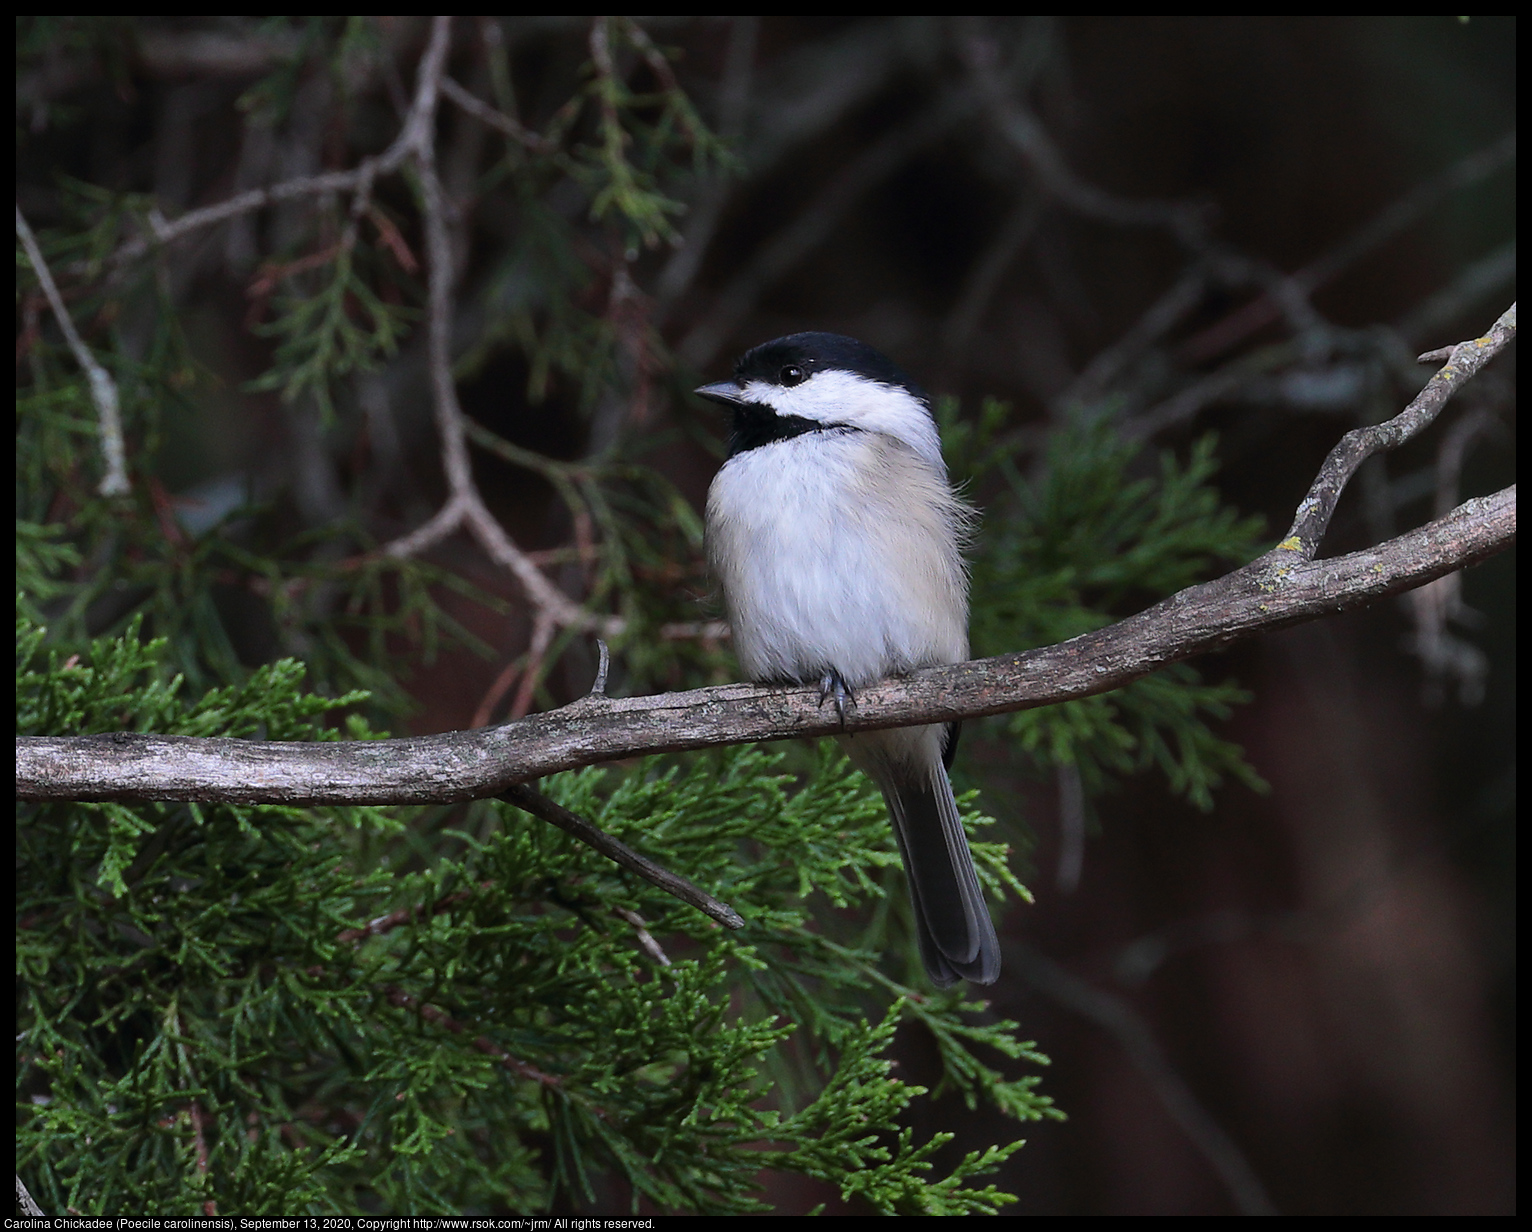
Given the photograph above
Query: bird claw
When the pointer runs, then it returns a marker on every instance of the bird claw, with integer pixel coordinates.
(831, 685)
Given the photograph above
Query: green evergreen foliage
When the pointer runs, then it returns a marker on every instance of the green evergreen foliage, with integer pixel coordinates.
(1088, 539)
(205, 1015)
(330, 324)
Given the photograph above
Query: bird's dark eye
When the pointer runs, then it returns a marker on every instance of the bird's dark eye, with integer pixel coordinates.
(791, 375)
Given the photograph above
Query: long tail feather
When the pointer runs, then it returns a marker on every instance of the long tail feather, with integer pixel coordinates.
(957, 938)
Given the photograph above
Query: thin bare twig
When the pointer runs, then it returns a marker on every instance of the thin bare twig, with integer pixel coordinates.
(103, 390)
(163, 232)
(539, 805)
(464, 508)
(1186, 403)
(1281, 295)
(404, 915)
(542, 636)
(1188, 222)
(497, 690)
(804, 94)
(415, 133)
(598, 686)
(646, 940)
(1314, 513)
(1443, 654)
(1406, 210)
(483, 112)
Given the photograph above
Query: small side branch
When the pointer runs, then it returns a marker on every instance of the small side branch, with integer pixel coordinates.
(540, 806)
(486, 114)
(103, 390)
(1314, 513)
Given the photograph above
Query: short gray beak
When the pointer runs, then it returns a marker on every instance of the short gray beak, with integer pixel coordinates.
(725, 392)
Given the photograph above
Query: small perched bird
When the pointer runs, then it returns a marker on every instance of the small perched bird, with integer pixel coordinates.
(837, 541)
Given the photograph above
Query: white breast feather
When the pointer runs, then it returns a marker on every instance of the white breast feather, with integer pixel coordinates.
(839, 550)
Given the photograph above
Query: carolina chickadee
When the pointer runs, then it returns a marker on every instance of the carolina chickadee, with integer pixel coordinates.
(838, 544)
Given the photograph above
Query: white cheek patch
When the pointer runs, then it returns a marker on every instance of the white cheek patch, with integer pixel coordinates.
(845, 398)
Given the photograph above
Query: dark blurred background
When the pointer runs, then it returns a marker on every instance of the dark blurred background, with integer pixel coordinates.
(1242, 225)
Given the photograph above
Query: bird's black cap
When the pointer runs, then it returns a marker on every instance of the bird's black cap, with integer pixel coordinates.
(817, 352)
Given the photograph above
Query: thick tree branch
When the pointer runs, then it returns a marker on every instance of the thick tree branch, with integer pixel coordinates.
(1279, 589)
